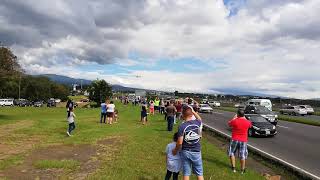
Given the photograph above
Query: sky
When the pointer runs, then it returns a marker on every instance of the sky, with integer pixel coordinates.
(210, 46)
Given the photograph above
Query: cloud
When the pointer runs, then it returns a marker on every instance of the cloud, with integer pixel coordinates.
(266, 46)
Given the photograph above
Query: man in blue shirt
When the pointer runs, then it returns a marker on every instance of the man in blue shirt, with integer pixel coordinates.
(189, 134)
(103, 112)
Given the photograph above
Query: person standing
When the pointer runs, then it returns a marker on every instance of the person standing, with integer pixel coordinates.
(151, 107)
(189, 136)
(70, 120)
(110, 112)
(171, 113)
(173, 162)
(144, 114)
(162, 106)
(157, 104)
(69, 105)
(103, 112)
(238, 143)
(178, 106)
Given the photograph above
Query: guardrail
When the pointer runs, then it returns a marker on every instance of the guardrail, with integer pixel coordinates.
(295, 169)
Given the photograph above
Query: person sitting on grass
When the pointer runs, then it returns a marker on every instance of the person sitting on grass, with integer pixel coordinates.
(173, 162)
(144, 114)
(70, 120)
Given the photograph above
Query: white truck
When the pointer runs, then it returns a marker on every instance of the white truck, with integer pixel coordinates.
(260, 102)
(6, 102)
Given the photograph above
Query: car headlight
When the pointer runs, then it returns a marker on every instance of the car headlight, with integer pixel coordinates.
(255, 127)
(274, 127)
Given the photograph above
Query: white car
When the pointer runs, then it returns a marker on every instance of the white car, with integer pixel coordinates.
(214, 103)
(308, 108)
(6, 102)
(205, 108)
(57, 100)
(293, 110)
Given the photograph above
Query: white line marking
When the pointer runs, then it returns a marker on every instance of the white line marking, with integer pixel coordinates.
(272, 156)
(284, 127)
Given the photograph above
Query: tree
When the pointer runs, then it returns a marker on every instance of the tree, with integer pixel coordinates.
(99, 91)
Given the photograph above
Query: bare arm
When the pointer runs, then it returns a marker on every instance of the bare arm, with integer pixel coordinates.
(178, 146)
(196, 115)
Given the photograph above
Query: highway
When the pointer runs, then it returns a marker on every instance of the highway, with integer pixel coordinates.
(298, 144)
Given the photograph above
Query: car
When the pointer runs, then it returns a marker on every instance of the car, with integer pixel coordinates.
(57, 100)
(293, 110)
(22, 102)
(214, 103)
(260, 102)
(6, 102)
(51, 103)
(204, 101)
(38, 104)
(205, 108)
(262, 111)
(260, 126)
(308, 108)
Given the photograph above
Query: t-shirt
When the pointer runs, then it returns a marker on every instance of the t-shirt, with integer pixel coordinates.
(171, 110)
(191, 132)
(240, 128)
(103, 108)
(173, 162)
(156, 102)
(110, 107)
(179, 107)
(70, 119)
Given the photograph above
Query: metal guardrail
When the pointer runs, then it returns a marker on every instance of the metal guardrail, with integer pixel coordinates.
(295, 169)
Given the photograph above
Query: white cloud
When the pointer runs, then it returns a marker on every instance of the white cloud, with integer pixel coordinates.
(269, 46)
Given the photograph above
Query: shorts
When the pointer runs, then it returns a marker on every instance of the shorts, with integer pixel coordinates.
(240, 147)
(191, 160)
(151, 110)
(110, 114)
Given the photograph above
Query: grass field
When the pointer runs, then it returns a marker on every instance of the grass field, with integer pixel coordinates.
(34, 145)
(281, 117)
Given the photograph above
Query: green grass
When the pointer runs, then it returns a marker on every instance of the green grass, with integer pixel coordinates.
(281, 117)
(11, 161)
(140, 153)
(63, 164)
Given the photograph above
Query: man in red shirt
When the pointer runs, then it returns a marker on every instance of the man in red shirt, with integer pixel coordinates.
(240, 126)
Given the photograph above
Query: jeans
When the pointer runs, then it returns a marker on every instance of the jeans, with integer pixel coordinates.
(72, 126)
(170, 120)
(174, 177)
(103, 115)
(191, 160)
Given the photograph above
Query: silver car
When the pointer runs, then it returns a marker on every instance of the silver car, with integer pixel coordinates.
(294, 110)
(308, 108)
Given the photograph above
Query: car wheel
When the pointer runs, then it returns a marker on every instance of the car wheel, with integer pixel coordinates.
(250, 132)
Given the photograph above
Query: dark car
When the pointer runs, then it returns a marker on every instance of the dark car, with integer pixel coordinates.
(51, 103)
(260, 126)
(22, 103)
(262, 111)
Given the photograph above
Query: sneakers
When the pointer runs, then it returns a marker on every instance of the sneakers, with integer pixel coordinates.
(243, 171)
(68, 133)
(234, 169)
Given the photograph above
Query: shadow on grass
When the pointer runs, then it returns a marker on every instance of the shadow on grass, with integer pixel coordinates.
(6, 117)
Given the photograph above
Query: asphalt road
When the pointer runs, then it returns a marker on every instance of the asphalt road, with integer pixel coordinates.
(309, 117)
(295, 143)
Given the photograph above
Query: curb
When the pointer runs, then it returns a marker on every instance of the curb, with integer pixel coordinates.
(301, 173)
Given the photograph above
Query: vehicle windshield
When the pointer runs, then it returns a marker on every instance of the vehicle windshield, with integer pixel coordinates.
(262, 109)
(257, 119)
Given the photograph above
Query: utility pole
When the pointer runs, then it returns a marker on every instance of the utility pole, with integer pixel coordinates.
(19, 86)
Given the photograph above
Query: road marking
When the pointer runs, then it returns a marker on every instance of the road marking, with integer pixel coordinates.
(284, 127)
(272, 156)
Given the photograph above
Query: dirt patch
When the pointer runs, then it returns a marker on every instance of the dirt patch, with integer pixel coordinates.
(88, 156)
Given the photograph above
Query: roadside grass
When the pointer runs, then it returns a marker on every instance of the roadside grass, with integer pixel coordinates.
(63, 164)
(140, 154)
(281, 117)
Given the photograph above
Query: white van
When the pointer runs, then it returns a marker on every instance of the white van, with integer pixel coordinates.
(260, 102)
(6, 102)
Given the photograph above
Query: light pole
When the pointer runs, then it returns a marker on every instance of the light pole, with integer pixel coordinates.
(19, 85)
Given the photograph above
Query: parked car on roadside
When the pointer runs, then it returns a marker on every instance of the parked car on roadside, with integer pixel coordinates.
(57, 100)
(260, 126)
(205, 108)
(214, 103)
(293, 110)
(6, 102)
(22, 103)
(38, 104)
(262, 111)
(51, 103)
(308, 108)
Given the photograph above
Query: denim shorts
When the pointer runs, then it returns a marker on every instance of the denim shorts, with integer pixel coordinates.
(240, 147)
(191, 160)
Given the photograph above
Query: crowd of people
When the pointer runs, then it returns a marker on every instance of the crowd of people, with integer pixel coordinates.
(184, 152)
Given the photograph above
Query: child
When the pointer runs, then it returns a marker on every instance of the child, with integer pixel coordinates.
(144, 114)
(116, 112)
(152, 107)
(173, 162)
(70, 120)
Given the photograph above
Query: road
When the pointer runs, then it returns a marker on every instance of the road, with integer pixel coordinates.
(295, 143)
